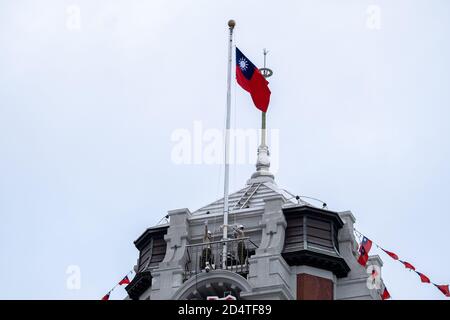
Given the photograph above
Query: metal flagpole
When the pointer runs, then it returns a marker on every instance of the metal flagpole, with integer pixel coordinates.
(266, 73)
(231, 25)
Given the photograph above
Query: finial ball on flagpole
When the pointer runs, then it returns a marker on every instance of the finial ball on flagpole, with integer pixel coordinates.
(231, 23)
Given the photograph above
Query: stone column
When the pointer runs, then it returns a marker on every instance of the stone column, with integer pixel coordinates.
(169, 275)
(269, 273)
(356, 286)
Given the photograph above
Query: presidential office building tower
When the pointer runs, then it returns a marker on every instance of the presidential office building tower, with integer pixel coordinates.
(279, 247)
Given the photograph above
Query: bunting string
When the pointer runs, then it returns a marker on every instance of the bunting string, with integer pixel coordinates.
(364, 248)
(125, 280)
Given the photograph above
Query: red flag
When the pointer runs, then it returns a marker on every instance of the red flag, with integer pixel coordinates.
(385, 295)
(364, 249)
(106, 297)
(125, 280)
(363, 258)
(251, 80)
(391, 254)
(423, 277)
(407, 265)
(444, 289)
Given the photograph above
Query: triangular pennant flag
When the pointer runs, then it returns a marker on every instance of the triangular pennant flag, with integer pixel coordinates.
(106, 296)
(423, 277)
(391, 254)
(408, 265)
(444, 289)
(385, 295)
(125, 280)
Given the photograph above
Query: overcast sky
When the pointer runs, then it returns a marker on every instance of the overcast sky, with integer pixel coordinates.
(91, 93)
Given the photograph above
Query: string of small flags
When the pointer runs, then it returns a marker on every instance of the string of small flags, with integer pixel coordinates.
(366, 245)
(125, 280)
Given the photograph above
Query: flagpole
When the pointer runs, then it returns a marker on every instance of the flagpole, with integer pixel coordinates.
(265, 73)
(263, 128)
(231, 25)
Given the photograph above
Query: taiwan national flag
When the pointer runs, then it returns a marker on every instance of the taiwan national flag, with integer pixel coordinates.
(106, 296)
(364, 249)
(391, 254)
(250, 79)
(408, 265)
(444, 289)
(125, 280)
(423, 277)
(385, 295)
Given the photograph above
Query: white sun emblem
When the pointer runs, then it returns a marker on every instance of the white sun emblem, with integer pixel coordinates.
(243, 64)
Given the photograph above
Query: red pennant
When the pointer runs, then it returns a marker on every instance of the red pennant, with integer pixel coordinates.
(444, 289)
(106, 297)
(125, 280)
(408, 265)
(423, 277)
(385, 295)
(391, 254)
